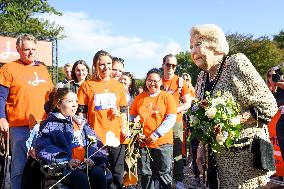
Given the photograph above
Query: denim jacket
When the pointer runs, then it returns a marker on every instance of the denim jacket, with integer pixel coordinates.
(53, 144)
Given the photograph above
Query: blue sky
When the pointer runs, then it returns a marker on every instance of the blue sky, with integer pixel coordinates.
(142, 32)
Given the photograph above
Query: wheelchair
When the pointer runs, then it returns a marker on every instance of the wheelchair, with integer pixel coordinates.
(38, 175)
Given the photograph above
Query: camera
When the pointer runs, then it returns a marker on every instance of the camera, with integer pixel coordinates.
(277, 74)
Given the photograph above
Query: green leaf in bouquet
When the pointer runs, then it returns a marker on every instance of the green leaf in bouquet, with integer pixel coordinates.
(229, 143)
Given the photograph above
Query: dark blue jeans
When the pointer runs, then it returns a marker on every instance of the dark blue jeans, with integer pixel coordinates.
(18, 138)
(160, 168)
(79, 179)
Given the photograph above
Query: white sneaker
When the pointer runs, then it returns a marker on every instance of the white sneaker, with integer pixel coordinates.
(180, 185)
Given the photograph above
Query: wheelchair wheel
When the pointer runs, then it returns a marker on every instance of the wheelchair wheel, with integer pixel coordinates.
(48, 183)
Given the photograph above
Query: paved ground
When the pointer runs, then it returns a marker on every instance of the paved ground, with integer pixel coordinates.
(274, 184)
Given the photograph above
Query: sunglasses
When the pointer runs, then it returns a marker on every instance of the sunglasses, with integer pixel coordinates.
(173, 66)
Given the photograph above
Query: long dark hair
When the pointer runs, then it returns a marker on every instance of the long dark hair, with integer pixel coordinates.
(73, 72)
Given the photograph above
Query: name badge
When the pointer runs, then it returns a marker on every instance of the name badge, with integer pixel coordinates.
(77, 139)
(104, 101)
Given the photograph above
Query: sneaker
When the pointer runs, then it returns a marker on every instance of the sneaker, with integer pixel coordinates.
(195, 183)
(179, 185)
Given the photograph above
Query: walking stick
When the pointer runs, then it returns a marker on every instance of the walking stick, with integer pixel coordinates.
(7, 176)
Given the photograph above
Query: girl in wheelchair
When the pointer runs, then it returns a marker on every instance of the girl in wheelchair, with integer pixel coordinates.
(65, 137)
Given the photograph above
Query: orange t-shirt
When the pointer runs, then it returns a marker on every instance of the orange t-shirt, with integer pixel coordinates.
(102, 99)
(29, 87)
(153, 111)
(171, 86)
(191, 91)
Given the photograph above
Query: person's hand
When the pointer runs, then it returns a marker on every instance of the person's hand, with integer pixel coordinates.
(280, 84)
(137, 119)
(125, 132)
(246, 118)
(4, 125)
(89, 162)
(151, 139)
(31, 153)
(141, 138)
(73, 163)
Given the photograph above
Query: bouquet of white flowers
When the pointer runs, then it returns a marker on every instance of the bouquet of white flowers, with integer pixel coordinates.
(214, 121)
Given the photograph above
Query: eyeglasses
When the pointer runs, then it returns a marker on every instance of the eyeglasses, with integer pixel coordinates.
(173, 66)
(152, 81)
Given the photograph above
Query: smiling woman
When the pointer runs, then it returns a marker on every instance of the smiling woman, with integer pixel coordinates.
(103, 101)
(236, 78)
(157, 110)
(71, 147)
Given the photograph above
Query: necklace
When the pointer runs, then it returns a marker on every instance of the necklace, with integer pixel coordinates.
(207, 86)
(106, 86)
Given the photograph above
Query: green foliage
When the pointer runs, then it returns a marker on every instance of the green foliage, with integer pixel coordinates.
(186, 65)
(139, 82)
(262, 52)
(52, 73)
(19, 16)
(61, 75)
(279, 39)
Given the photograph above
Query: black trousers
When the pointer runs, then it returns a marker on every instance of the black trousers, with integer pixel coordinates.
(280, 134)
(194, 146)
(116, 160)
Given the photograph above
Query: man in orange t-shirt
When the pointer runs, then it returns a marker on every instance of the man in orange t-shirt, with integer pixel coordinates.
(178, 88)
(24, 88)
(103, 101)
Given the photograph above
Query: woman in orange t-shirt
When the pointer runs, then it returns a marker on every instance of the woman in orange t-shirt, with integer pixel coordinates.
(157, 112)
(103, 101)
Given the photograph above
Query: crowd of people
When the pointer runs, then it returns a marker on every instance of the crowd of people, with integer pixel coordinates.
(84, 119)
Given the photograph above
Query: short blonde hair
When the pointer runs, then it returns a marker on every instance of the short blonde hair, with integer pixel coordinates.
(68, 65)
(212, 34)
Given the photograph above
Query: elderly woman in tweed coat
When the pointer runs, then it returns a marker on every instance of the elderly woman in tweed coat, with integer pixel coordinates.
(239, 80)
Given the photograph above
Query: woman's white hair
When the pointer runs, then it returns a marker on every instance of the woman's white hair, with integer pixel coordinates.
(212, 34)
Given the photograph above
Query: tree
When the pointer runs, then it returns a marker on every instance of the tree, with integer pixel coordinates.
(19, 16)
(262, 52)
(186, 65)
(279, 39)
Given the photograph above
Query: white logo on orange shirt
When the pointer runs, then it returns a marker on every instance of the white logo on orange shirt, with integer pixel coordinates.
(36, 81)
(8, 52)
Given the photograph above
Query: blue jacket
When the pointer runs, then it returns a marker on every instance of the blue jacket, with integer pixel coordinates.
(53, 144)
